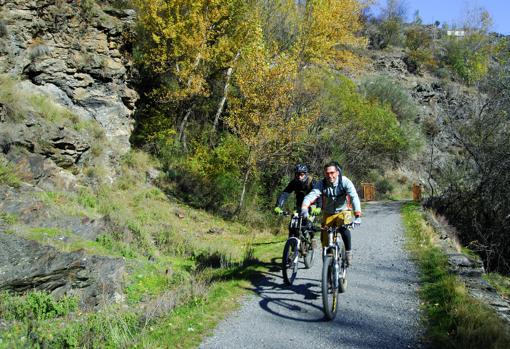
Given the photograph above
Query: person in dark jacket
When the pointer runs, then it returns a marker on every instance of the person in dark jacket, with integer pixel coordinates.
(301, 185)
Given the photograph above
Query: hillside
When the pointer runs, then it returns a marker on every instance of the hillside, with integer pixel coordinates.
(143, 144)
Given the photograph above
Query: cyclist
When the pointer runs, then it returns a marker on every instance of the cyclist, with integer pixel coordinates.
(301, 185)
(337, 193)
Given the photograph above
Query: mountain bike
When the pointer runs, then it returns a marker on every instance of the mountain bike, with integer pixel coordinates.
(334, 271)
(299, 244)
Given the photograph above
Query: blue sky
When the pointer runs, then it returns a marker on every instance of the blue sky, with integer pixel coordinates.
(452, 11)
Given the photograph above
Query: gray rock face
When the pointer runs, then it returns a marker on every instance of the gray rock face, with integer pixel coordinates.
(76, 54)
(45, 154)
(26, 265)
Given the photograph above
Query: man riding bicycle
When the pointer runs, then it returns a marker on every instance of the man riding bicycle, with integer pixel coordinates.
(301, 185)
(337, 193)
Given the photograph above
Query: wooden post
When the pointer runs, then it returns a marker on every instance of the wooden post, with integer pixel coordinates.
(368, 191)
(417, 192)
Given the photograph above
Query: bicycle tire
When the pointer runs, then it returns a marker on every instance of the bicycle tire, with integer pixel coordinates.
(290, 261)
(309, 255)
(329, 292)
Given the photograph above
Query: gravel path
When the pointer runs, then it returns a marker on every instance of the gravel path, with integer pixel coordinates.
(379, 309)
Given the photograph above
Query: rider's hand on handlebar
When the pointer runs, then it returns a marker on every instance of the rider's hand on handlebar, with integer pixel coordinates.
(356, 222)
(278, 210)
(304, 212)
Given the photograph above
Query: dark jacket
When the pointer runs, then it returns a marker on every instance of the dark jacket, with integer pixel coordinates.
(297, 187)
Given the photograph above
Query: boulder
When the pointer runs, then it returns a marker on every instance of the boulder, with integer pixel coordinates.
(26, 265)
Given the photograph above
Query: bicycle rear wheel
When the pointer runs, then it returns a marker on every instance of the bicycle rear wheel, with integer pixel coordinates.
(329, 292)
(290, 261)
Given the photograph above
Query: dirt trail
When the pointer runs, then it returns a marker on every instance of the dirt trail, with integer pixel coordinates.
(379, 310)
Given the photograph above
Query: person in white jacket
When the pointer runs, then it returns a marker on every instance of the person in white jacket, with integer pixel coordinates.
(339, 197)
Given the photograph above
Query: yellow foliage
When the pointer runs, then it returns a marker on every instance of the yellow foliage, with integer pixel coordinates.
(329, 33)
(181, 38)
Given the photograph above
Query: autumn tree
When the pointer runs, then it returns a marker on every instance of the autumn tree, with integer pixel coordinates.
(259, 112)
(183, 44)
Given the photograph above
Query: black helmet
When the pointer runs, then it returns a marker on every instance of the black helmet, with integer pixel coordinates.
(300, 168)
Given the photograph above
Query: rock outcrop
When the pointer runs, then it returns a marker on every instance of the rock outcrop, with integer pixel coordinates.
(78, 55)
(27, 265)
(66, 107)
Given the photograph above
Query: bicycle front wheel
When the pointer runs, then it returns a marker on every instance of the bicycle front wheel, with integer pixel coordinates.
(290, 261)
(329, 291)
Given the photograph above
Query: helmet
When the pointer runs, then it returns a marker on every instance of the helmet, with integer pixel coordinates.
(300, 168)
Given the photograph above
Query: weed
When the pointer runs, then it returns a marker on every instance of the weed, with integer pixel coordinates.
(8, 218)
(8, 174)
(38, 48)
(500, 283)
(87, 199)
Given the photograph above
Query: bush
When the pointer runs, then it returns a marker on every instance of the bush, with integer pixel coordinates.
(36, 305)
(468, 57)
(386, 91)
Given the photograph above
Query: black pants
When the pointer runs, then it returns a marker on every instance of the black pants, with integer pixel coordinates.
(346, 237)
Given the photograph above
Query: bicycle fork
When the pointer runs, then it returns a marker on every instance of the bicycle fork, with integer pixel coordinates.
(332, 247)
(295, 258)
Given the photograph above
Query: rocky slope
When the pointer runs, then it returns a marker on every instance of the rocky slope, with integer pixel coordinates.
(66, 110)
(79, 57)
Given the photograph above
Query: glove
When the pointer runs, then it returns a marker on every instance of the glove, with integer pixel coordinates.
(278, 210)
(357, 222)
(304, 213)
(316, 211)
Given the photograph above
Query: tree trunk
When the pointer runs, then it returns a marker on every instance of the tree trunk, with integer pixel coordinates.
(184, 121)
(221, 106)
(243, 192)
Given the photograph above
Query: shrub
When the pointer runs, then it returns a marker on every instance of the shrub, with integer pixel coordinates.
(38, 49)
(389, 92)
(36, 305)
(468, 57)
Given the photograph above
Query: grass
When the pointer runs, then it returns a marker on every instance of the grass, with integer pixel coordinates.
(500, 282)
(8, 218)
(454, 319)
(182, 274)
(35, 305)
(8, 174)
(20, 102)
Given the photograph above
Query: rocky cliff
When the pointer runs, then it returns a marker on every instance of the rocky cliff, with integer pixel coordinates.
(77, 55)
(66, 110)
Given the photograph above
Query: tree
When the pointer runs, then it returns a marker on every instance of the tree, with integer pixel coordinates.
(328, 33)
(184, 43)
(259, 112)
(474, 181)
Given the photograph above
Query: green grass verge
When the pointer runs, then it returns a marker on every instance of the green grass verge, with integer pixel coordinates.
(187, 326)
(454, 319)
(41, 321)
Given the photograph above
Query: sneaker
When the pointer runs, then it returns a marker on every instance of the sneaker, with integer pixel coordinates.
(348, 255)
